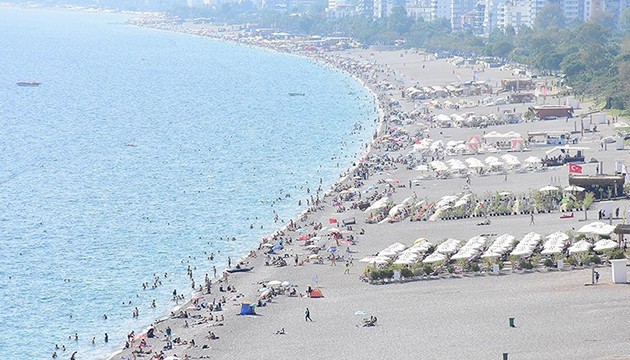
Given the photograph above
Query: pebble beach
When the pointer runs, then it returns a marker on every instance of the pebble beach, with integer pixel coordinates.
(557, 313)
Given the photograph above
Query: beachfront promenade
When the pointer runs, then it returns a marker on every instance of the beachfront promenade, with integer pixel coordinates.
(446, 316)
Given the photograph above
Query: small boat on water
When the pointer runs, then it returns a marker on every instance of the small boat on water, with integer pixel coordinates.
(296, 94)
(239, 269)
(27, 83)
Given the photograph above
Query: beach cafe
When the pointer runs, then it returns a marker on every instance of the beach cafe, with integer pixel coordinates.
(564, 154)
(549, 138)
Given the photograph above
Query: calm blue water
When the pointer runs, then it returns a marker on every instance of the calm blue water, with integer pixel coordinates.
(142, 148)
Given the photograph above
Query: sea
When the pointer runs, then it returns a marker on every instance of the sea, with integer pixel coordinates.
(141, 153)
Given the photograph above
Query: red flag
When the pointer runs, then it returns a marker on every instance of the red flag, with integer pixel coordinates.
(575, 169)
(332, 221)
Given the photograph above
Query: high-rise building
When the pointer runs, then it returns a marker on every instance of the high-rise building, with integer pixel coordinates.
(365, 8)
(458, 9)
(440, 9)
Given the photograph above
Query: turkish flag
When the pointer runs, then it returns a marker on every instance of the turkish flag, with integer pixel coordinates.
(575, 169)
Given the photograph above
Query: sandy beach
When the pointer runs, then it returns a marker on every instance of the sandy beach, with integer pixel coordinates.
(447, 316)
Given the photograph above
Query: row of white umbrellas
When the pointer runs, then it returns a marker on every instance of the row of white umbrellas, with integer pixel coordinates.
(555, 243)
(471, 249)
(508, 160)
(527, 245)
(501, 245)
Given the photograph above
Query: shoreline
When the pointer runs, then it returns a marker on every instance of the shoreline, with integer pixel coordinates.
(366, 148)
(323, 277)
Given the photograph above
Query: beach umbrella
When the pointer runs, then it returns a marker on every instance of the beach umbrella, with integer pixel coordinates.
(285, 284)
(448, 247)
(404, 262)
(490, 255)
(605, 244)
(378, 261)
(596, 228)
(438, 165)
(278, 247)
(197, 296)
(548, 188)
(574, 188)
(433, 258)
(474, 163)
(532, 160)
(267, 245)
(420, 240)
(522, 251)
(313, 257)
(273, 283)
(580, 247)
(312, 247)
(379, 204)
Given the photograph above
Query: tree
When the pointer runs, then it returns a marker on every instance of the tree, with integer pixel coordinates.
(398, 21)
(502, 49)
(550, 16)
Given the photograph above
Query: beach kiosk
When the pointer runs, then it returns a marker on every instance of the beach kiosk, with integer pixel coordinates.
(565, 154)
(602, 186)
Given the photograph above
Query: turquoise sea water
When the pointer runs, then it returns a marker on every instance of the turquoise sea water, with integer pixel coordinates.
(140, 150)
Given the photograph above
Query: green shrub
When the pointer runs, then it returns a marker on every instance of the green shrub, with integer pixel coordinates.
(571, 261)
(596, 260)
(617, 254)
(387, 273)
(375, 274)
(548, 263)
(526, 265)
(475, 267)
(406, 272)
(428, 269)
(451, 269)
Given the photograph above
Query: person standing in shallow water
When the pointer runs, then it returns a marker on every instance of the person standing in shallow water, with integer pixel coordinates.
(307, 315)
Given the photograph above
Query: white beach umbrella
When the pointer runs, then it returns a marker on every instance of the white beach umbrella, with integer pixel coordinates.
(438, 165)
(273, 283)
(522, 251)
(510, 159)
(449, 246)
(548, 188)
(457, 165)
(574, 188)
(580, 247)
(605, 244)
(404, 262)
(490, 255)
(533, 160)
(475, 163)
(433, 258)
(379, 204)
(491, 159)
(551, 250)
(596, 228)
(443, 118)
